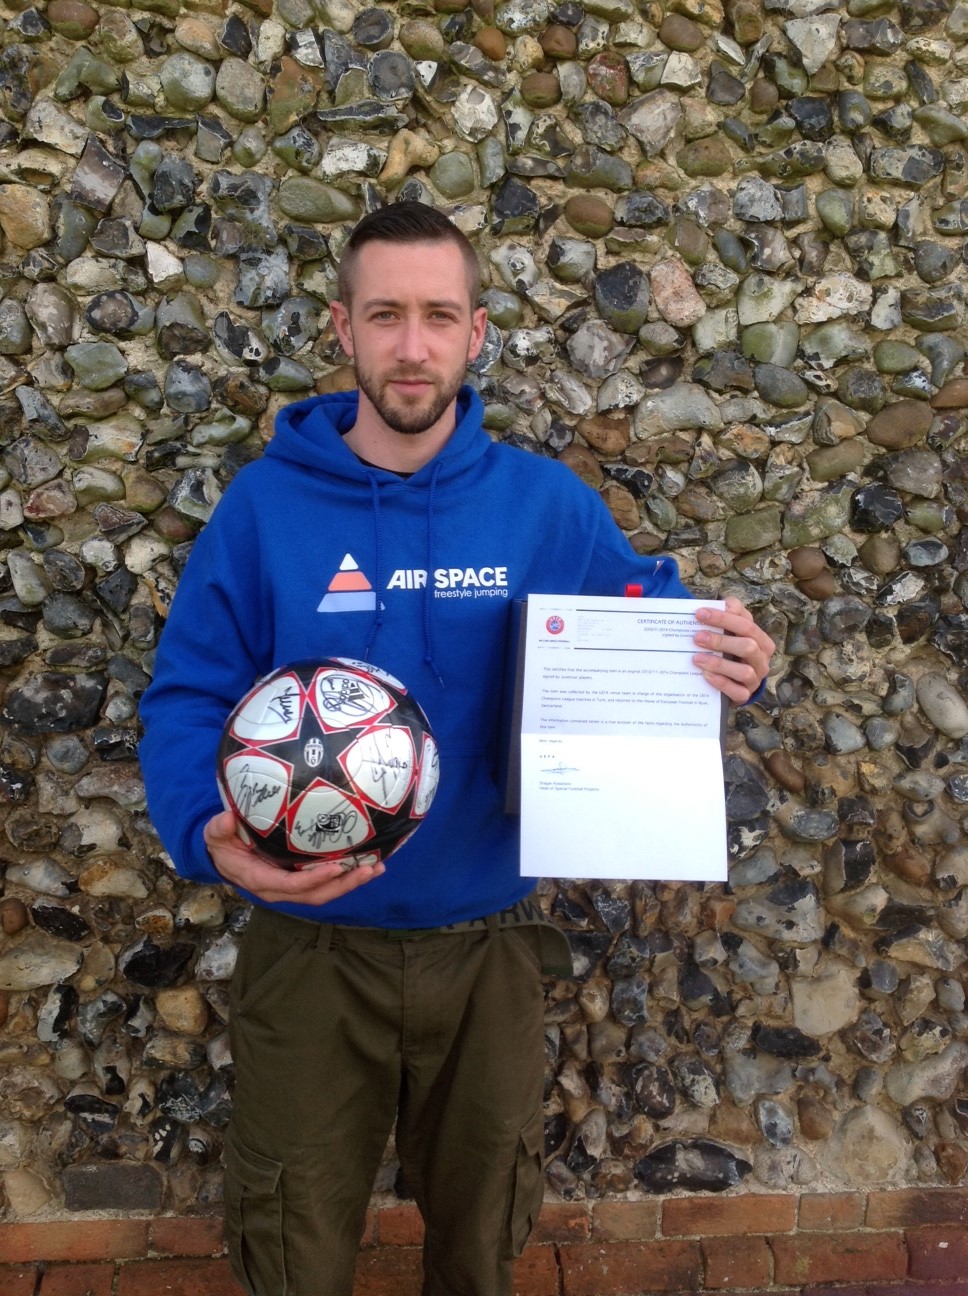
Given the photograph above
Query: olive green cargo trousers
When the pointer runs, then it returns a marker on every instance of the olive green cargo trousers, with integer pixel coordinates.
(336, 1033)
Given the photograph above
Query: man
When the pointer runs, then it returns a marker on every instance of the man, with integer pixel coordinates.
(410, 994)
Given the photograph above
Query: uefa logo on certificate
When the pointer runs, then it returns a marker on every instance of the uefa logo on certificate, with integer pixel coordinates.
(554, 625)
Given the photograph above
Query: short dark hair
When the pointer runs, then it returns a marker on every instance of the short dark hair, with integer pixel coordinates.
(406, 222)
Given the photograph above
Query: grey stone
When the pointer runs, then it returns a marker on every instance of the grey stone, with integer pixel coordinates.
(789, 913)
(622, 296)
(695, 1164)
(943, 705)
(188, 81)
(263, 278)
(97, 177)
(240, 89)
(596, 350)
(934, 1078)
(187, 388)
(592, 168)
(653, 120)
(36, 960)
(685, 406)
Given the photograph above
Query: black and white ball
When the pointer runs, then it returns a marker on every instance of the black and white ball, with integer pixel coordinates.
(327, 760)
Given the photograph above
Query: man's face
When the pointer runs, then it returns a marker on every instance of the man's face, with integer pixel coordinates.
(411, 330)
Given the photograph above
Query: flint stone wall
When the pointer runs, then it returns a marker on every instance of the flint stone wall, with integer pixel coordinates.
(723, 254)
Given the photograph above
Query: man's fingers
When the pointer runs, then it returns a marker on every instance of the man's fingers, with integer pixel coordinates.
(747, 650)
(320, 893)
(241, 866)
(734, 632)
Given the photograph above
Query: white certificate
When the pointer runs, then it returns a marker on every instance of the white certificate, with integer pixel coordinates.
(621, 751)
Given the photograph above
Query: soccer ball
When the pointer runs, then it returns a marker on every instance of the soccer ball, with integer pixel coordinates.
(327, 760)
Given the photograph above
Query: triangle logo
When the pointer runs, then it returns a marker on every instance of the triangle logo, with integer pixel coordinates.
(349, 590)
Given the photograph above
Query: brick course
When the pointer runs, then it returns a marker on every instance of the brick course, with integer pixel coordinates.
(564, 1221)
(78, 1280)
(536, 1273)
(820, 1211)
(906, 1243)
(201, 1236)
(116, 1239)
(839, 1257)
(390, 1271)
(751, 1213)
(737, 1262)
(627, 1268)
(17, 1282)
(399, 1226)
(178, 1278)
(908, 1208)
(938, 1254)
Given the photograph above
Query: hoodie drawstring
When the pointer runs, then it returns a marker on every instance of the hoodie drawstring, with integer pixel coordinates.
(428, 620)
(377, 621)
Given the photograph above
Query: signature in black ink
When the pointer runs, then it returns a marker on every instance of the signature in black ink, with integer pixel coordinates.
(384, 765)
(347, 696)
(250, 792)
(326, 828)
(560, 769)
(283, 704)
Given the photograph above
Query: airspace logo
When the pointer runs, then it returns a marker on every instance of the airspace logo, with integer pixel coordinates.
(453, 582)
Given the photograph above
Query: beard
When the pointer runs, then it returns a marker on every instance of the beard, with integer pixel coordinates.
(409, 415)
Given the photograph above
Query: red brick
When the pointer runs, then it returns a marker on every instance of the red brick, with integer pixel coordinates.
(398, 1272)
(938, 1254)
(875, 1289)
(113, 1239)
(536, 1272)
(749, 1213)
(178, 1278)
(911, 1207)
(400, 1226)
(562, 1222)
(388, 1271)
(78, 1280)
(369, 1229)
(17, 1282)
(626, 1221)
(831, 1211)
(839, 1257)
(628, 1268)
(189, 1235)
(737, 1262)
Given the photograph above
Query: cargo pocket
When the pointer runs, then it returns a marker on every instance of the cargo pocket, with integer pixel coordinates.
(253, 1219)
(245, 996)
(527, 1191)
(527, 938)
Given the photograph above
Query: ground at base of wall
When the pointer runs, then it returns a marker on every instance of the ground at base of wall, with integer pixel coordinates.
(909, 1242)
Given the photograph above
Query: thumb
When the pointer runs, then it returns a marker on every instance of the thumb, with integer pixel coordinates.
(221, 828)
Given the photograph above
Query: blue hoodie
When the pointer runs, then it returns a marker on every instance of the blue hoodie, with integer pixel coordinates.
(446, 552)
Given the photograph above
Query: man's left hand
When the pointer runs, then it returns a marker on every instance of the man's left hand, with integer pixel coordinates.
(746, 650)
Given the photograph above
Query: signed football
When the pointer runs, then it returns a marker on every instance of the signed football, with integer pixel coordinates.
(327, 760)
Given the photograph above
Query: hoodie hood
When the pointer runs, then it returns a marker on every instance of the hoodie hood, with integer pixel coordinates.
(311, 432)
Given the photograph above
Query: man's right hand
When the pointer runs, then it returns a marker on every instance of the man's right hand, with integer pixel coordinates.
(239, 864)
